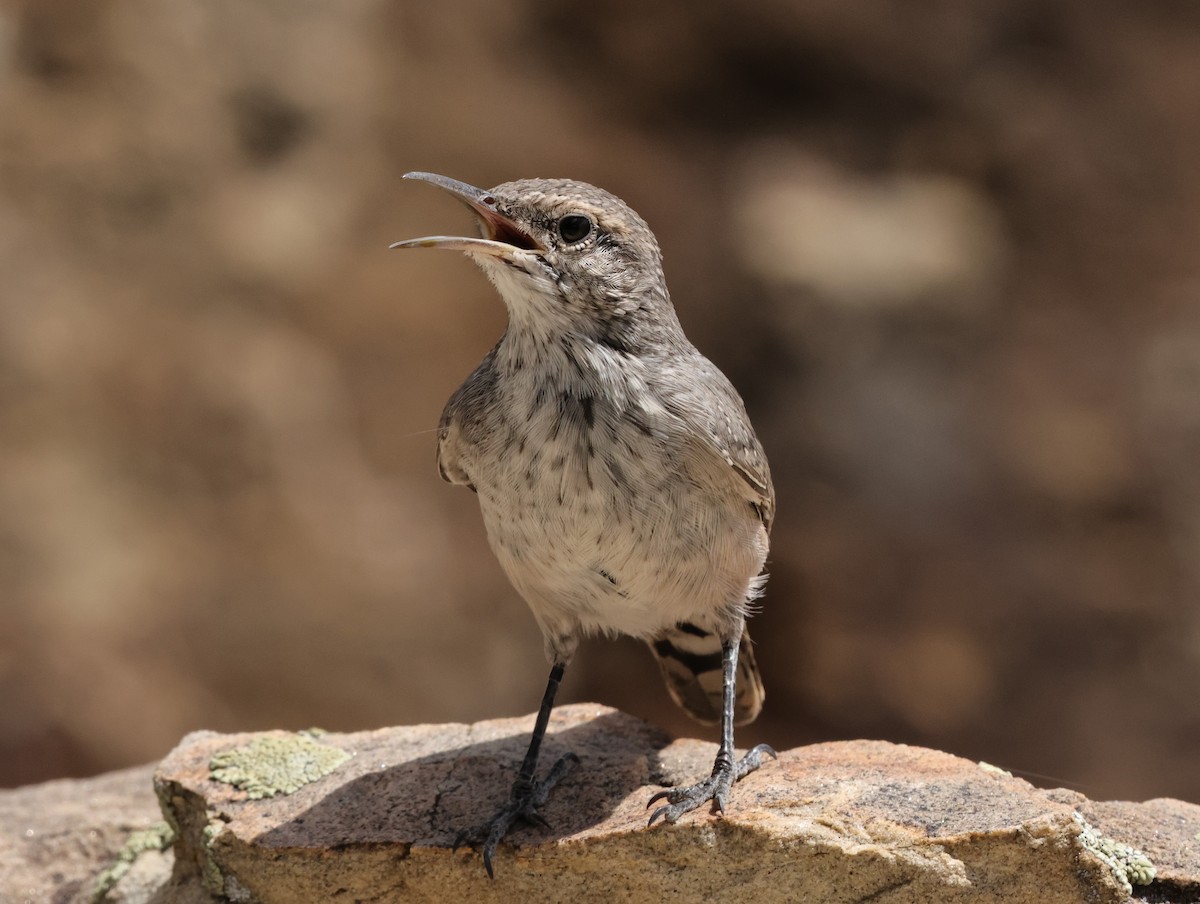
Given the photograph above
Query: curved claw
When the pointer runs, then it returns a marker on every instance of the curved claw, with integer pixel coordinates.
(661, 795)
(534, 818)
(660, 812)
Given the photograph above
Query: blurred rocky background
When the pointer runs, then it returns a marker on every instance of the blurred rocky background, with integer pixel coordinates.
(949, 252)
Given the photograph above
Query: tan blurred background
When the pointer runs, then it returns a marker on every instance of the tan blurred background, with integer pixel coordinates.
(949, 252)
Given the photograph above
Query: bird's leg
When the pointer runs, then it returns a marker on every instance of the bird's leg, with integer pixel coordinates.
(725, 771)
(527, 794)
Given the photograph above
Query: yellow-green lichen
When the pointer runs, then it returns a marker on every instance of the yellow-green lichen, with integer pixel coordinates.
(275, 764)
(158, 837)
(1129, 865)
(210, 872)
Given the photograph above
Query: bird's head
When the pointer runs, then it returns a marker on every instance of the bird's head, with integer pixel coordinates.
(564, 255)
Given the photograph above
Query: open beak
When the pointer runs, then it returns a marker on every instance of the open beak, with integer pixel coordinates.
(501, 236)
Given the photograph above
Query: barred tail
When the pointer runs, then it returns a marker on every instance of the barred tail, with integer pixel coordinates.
(690, 660)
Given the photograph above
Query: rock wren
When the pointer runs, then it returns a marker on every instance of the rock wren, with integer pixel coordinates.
(621, 484)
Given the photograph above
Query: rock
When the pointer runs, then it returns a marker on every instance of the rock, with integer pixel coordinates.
(373, 817)
(843, 821)
(57, 840)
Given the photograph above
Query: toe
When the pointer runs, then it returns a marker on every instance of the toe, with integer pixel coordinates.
(753, 760)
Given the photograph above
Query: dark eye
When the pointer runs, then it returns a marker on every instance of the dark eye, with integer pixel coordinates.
(574, 228)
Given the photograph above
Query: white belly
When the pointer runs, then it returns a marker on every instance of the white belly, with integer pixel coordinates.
(619, 540)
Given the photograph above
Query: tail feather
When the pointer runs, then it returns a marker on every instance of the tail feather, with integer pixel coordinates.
(690, 660)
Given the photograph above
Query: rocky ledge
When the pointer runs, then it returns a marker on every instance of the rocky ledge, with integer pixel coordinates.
(374, 816)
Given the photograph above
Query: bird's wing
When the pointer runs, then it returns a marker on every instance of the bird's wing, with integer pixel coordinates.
(707, 402)
(464, 412)
(447, 452)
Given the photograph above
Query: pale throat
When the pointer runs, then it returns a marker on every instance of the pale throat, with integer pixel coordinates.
(540, 319)
(534, 300)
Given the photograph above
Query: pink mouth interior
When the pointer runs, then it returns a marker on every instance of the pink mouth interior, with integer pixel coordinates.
(500, 229)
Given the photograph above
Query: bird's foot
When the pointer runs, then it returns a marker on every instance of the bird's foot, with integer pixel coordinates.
(715, 787)
(522, 806)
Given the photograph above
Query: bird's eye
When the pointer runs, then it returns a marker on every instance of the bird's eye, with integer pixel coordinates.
(574, 228)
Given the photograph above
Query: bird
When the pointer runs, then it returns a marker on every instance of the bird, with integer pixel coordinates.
(622, 486)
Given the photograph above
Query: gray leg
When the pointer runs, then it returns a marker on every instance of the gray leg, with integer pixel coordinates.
(725, 771)
(527, 794)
